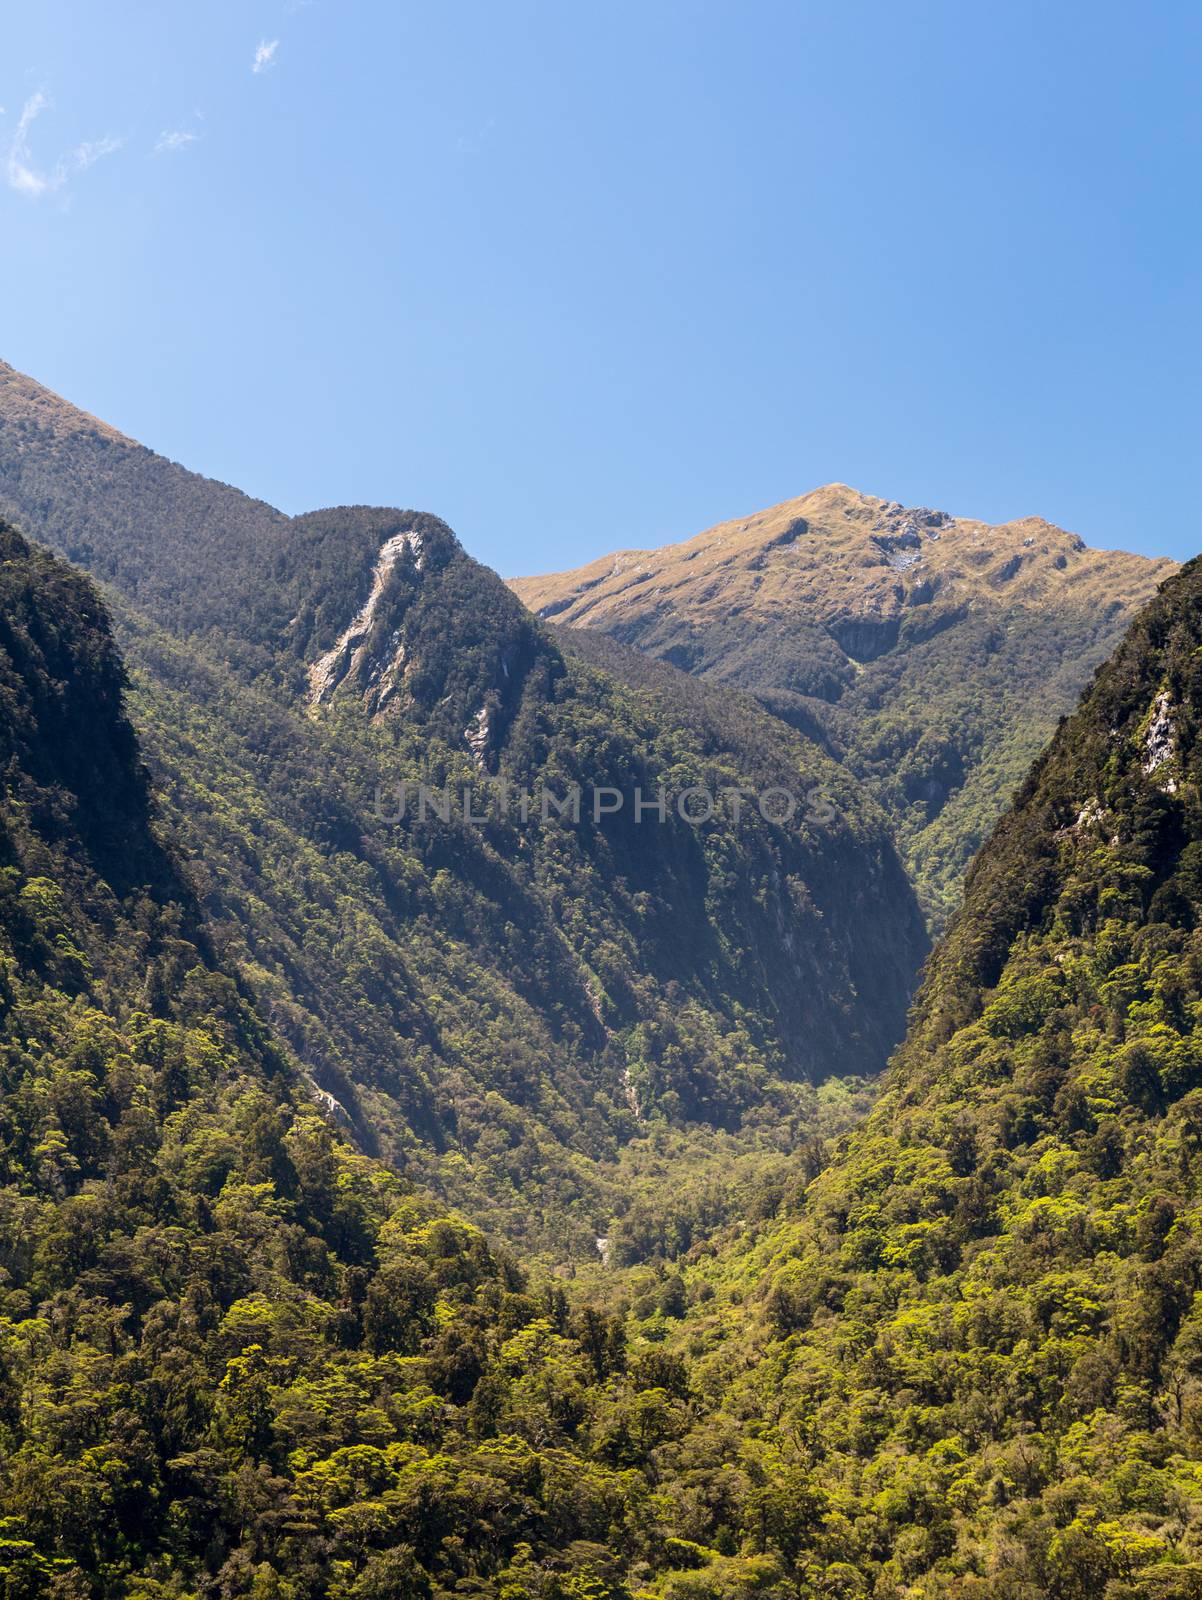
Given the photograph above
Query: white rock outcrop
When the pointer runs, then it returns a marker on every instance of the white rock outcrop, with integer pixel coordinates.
(1160, 738)
(348, 657)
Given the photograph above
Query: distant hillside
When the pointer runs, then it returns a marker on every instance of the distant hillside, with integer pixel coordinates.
(932, 655)
(499, 1008)
(954, 1355)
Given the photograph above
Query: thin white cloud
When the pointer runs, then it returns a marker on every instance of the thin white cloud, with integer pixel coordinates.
(89, 153)
(27, 179)
(265, 55)
(18, 168)
(173, 139)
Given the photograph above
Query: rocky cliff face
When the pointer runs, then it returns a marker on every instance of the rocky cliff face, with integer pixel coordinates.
(350, 657)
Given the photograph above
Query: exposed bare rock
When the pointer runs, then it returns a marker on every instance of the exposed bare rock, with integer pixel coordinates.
(478, 735)
(331, 1105)
(1160, 739)
(348, 658)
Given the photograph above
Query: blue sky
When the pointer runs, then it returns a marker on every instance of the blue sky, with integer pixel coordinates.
(585, 276)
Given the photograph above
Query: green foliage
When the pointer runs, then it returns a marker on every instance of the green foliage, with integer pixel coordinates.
(954, 1353)
(944, 728)
(939, 710)
(979, 1330)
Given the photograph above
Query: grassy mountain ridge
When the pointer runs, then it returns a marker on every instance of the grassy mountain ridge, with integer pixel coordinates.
(502, 1008)
(932, 655)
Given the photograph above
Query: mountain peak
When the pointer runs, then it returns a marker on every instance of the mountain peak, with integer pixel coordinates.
(924, 648)
(836, 556)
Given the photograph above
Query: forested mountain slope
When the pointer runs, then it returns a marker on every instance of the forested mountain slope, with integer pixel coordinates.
(241, 1359)
(498, 1006)
(182, 544)
(236, 1357)
(957, 1356)
(931, 654)
(975, 1341)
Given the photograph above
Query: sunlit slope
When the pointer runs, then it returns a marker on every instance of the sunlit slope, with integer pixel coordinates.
(976, 1335)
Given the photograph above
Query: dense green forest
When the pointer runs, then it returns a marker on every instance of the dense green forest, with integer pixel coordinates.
(238, 1357)
(415, 970)
(954, 1354)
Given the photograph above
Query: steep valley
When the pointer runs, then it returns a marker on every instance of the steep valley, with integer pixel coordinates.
(970, 1345)
(501, 1010)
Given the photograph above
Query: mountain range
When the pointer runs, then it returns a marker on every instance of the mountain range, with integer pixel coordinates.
(256, 1033)
(974, 1337)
